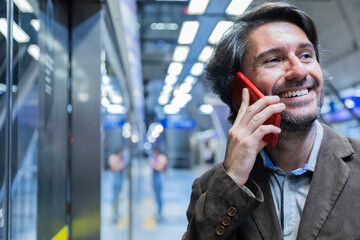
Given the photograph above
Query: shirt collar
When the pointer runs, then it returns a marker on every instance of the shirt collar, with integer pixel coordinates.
(309, 166)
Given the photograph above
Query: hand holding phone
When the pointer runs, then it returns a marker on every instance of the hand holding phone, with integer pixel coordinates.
(240, 81)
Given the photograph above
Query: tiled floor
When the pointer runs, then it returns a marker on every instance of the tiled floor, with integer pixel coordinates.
(176, 194)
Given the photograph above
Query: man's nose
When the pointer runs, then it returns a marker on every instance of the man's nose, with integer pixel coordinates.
(296, 69)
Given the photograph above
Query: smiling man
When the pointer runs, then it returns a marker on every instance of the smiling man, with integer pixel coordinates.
(307, 185)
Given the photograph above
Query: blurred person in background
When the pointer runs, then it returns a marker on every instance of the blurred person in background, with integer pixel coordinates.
(208, 155)
(117, 165)
(159, 165)
(307, 185)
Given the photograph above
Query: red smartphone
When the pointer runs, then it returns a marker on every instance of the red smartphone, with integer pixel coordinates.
(240, 81)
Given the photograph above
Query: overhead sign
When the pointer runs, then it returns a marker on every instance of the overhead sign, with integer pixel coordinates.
(179, 123)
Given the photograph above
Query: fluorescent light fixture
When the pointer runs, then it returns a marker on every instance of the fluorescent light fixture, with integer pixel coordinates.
(197, 69)
(36, 24)
(349, 103)
(237, 7)
(205, 54)
(24, 6)
(135, 138)
(147, 146)
(171, 109)
(188, 32)
(105, 79)
(159, 128)
(219, 31)
(181, 53)
(105, 102)
(151, 139)
(170, 79)
(115, 109)
(175, 68)
(163, 99)
(116, 98)
(206, 109)
(167, 88)
(155, 134)
(164, 26)
(197, 7)
(185, 87)
(34, 51)
(19, 35)
(190, 79)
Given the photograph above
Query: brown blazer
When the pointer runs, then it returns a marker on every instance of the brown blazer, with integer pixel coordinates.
(331, 211)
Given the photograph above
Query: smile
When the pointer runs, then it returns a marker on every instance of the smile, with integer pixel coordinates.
(294, 93)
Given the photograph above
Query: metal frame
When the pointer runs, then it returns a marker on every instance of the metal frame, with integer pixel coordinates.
(8, 124)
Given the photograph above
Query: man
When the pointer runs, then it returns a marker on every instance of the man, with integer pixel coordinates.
(305, 187)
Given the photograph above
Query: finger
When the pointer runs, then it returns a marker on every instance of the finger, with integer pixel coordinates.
(260, 117)
(263, 130)
(244, 105)
(258, 106)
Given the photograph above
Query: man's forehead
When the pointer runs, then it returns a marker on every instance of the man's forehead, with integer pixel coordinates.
(277, 35)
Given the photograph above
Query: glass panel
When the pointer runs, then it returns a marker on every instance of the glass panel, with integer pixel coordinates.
(25, 120)
(2, 115)
(115, 178)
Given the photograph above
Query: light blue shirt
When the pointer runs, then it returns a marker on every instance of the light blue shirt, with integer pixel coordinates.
(289, 190)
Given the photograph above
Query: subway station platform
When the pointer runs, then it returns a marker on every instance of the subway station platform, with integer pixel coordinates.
(146, 225)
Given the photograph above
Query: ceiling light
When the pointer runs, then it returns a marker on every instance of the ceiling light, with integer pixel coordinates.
(24, 6)
(135, 138)
(205, 54)
(197, 69)
(147, 146)
(219, 31)
(206, 109)
(34, 51)
(170, 79)
(19, 35)
(175, 68)
(188, 32)
(159, 128)
(171, 109)
(163, 99)
(185, 87)
(197, 7)
(190, 79)
(36, 24)
(115, 109)
(181, 53)
(237, 7)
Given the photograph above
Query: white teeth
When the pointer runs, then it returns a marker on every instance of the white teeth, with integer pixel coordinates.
(294, 93)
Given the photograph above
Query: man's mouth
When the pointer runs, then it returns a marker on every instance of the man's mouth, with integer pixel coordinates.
(291, 94)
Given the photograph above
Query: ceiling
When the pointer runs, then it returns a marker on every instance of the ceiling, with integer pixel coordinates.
(338, 24)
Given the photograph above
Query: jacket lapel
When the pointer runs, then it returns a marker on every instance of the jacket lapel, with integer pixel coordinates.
(329, 178)
(265, 215)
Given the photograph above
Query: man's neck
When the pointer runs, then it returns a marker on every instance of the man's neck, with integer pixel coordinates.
(293, 149)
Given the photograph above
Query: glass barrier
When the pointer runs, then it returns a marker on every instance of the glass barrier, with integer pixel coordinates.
(25, 121)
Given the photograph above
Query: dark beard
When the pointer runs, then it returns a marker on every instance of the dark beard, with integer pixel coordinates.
(296, 124)
(291, 123)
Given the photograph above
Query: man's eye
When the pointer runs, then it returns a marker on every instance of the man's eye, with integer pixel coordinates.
(306, 56)
(273, 60)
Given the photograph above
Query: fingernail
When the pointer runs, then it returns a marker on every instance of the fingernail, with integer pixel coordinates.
(275, 97)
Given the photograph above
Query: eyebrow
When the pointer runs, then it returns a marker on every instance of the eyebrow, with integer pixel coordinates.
(279, 49)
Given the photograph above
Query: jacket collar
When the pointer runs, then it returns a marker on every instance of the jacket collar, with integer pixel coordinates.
(329, 178)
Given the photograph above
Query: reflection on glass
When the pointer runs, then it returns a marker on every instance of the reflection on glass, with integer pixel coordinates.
(24, 126)
(115, 178)
(2, 116)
